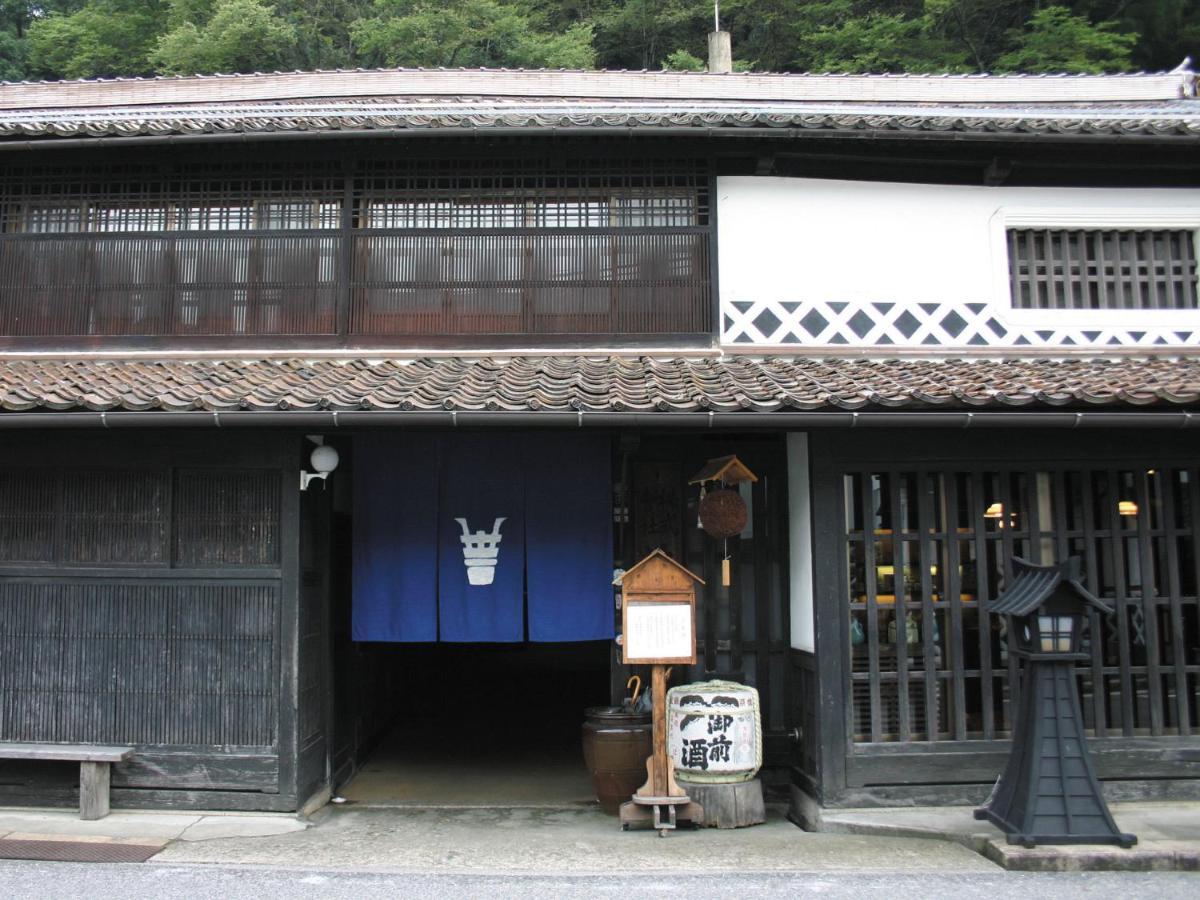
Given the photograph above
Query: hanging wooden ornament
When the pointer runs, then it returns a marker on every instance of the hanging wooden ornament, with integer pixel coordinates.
(723, 513)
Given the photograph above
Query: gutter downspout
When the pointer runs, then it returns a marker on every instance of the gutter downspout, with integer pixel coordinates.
(328, 419)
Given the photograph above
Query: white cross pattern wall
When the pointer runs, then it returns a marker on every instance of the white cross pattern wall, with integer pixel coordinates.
(843, 324)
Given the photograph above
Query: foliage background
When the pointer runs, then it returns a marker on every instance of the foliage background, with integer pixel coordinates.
(89, 38)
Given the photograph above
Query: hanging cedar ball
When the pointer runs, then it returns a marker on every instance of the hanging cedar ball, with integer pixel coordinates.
(723, 513)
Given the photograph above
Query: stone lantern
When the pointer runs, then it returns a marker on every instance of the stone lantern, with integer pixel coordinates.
(1048, 793)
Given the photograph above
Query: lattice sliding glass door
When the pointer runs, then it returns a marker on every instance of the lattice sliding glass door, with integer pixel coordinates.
(926, 548)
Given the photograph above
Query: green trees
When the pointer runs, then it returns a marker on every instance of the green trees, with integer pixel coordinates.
(102, 37)
(237, 36)
(1054, 40)
(942, 35)
(88, 38)
(468, 33)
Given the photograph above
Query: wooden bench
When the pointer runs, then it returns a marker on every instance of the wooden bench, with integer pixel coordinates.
(95, 769)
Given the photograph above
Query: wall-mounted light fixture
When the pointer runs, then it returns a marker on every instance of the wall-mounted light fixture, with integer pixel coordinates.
(994, 511)
(1127, 508)
(323, 460)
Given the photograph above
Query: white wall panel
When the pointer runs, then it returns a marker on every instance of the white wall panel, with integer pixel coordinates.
(811, 262)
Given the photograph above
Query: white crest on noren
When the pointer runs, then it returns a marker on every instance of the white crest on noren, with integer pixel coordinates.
(481, 551)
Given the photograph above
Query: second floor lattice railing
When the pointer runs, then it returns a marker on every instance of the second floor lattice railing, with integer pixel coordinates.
(372, 249)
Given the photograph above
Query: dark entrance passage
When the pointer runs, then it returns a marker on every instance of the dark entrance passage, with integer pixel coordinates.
(410, 723)
(475, 724)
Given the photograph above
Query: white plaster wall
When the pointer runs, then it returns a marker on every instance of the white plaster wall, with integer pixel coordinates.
(816, 241)
(786, 238)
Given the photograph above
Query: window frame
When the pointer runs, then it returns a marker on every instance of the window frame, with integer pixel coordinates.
(1092, 218)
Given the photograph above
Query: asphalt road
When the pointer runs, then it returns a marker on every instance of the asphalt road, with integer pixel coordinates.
(59, 881)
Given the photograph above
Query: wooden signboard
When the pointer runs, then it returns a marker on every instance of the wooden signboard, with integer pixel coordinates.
(658, 617)
(658, 613)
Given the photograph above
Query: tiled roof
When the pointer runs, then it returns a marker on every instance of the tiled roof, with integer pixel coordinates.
(1154, 119)
(610, 83)
(608, 384)
(424, 100)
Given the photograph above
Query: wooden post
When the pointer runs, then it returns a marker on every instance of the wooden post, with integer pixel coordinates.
(660, 794)
(94, 779)
(661, 762)
(660, 772)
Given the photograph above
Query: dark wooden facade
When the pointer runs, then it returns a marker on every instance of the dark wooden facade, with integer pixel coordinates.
(149, 596)
(918, 529)
(174, 589)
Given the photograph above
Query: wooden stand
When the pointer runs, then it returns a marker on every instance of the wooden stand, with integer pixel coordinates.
(658, 624)
(660, 792)
(729, 805)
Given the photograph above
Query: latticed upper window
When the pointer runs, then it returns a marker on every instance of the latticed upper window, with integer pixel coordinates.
(1055, 268)
(628, 210)
(371, 246)
(120, 217)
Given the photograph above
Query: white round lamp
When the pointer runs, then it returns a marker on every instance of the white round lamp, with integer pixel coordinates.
(323, 459)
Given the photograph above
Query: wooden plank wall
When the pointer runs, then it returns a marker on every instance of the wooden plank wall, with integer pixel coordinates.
(143, 600)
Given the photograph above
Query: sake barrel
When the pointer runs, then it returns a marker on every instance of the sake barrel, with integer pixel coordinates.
(714, 732)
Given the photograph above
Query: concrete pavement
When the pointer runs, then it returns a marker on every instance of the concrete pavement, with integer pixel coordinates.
(564, 840)
(580, 840)
(144, 828)
(531, 841)
(1168, 836)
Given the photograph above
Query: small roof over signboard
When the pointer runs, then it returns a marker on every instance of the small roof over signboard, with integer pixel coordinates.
(662, 558)
(1032, 585)
(727, 469)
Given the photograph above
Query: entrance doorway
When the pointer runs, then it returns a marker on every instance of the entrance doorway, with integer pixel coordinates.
(475, 724)
(410, 723)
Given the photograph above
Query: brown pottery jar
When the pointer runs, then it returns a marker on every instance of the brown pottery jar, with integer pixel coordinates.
(616, 743)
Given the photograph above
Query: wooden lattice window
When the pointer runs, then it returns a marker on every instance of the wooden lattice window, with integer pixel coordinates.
(226, 518)
(531, 246)
(373, 246)
(145, 250)
(139, 661)
(202, 518)
(1077, 268)
(926, 549)
(83, 517)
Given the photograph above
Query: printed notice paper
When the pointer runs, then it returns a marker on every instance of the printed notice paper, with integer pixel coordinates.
(658, 631)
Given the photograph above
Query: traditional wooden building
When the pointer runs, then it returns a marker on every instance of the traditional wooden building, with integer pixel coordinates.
(945, 321)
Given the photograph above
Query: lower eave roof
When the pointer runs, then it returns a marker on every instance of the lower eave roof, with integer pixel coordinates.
(595, 384)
